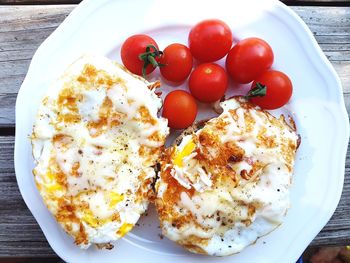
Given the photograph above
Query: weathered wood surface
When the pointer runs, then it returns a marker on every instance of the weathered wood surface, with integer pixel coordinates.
(289, 2)
(20, 235)
(23, 28)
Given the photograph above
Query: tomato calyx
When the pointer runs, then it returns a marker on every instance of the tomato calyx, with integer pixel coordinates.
(149, 57)
(258, 91)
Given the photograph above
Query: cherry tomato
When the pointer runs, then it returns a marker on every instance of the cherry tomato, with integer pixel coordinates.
(177, 61)
(208, 82)
(132, 48)
(248, 59)
(210, 40)
(180, 109)
(279, 90)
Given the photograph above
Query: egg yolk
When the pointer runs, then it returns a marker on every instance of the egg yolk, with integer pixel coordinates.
(90, 219)
(186, 151)
(115, 198)
(125, 228)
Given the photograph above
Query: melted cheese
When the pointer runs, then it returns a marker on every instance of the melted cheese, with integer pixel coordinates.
(91, 127)
(233, 178)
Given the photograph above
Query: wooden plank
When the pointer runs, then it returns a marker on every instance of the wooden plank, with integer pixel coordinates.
(36, 259)
(38, 2)
(317, 2)
(288, 2)
(24, 28)
(21, 236)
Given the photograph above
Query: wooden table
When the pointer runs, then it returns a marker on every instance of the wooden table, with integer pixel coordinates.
(24, 25)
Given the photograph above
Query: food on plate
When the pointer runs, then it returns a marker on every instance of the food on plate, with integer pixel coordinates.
(278, 92)
(208, 82)
(248, 59)
(98, 142)
(210, 40)
(226, 182)
(139, 54)
(95, 141)
(180, 108)
(176, 62)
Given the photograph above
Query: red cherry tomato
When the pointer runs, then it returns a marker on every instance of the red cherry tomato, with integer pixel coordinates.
(208, 82)
(279, 90)
(132, 48)
(248, 59)
(210, 40)
(180, 109)
(177, 61)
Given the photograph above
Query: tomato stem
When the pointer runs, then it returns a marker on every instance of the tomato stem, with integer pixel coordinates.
(153, 61)
(258, 91)
(149, 58)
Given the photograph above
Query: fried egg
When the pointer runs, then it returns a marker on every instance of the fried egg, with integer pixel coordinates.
(228, 183)
(95, 141)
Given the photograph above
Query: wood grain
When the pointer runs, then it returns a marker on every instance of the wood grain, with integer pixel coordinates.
(24, 28)
(21, 236)
(38, 2)
(288, 2)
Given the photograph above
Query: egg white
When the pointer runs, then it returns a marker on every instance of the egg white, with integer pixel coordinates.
(223, 217)
(105, 178)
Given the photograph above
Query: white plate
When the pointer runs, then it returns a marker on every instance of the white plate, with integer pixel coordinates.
(317, 106)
